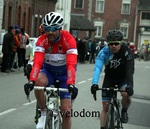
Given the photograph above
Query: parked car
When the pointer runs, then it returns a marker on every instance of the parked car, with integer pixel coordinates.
(33, 41)
(1, 43)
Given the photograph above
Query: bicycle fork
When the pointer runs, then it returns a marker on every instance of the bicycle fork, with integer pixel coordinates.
(118, 116)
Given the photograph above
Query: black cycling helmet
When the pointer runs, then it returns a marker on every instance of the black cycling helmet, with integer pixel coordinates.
(114, 35)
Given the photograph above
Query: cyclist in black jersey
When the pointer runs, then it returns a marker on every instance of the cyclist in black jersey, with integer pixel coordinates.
(119, 69)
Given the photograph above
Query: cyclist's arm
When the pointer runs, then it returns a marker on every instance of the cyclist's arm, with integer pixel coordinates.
(130, 69)
(71, 62)
(100, 60)
(38, 62)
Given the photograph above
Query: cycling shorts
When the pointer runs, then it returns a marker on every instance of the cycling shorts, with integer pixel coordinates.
(62, 79)
(108, 82)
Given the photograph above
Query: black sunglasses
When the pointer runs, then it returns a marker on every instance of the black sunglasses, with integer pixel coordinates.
(111, 44)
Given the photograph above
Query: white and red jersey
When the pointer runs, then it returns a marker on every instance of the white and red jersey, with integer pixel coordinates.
(60, 58)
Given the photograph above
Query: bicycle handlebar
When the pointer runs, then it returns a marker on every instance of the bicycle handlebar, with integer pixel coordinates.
(50, 89)
(112, 89)
(47, 89)
(108, 89)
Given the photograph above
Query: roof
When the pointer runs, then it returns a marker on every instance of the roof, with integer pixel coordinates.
(144, 5)
(81, 23)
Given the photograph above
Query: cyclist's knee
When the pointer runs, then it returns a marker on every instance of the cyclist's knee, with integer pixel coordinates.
(124, 94)
(42, 80)
(105, 106)
(125, 97)
(66, 108)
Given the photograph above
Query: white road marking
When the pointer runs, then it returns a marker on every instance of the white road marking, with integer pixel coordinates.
(7, 111)
(28, 103)
(141, 101)
(89, 79)
(81, 82)
(147, 67)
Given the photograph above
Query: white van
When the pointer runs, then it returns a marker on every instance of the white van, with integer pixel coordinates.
(1, 42)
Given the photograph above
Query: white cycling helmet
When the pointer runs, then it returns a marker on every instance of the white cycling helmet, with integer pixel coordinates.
(53, 19)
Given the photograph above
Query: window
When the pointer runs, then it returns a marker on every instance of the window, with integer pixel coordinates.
(99, 6)
(145, 16)
(99, 26)
(145, 19)
(78, 4)
(124, 27)
(126, 6)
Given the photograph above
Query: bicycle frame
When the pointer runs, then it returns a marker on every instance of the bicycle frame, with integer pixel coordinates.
(53, 115)
(113, 119)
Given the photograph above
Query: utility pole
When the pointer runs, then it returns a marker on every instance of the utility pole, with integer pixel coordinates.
(33, 18)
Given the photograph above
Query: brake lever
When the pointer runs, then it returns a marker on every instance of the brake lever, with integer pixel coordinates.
(28, 98)
(94, 95)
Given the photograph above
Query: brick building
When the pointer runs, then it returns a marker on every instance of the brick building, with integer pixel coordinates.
(88, 18)
(108, 14)
(26, 13)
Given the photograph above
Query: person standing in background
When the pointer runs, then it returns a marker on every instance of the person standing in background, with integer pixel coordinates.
(7, 49)
(93, 52)
(15, 47)
(24, 40)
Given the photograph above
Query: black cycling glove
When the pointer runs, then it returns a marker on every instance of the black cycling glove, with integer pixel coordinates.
(94, 88)
(129, 90)
(73, 90)
(28, 87)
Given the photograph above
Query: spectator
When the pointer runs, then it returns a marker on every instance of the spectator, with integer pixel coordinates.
(82, 52)
(132, 47)
(142, 52)
(7, 49)
(77, 42)
(15, 47)
(147, 53)
(93, 52)
(101, 44)
(24, 40)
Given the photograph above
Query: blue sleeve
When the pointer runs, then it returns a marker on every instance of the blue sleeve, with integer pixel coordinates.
(101, 58)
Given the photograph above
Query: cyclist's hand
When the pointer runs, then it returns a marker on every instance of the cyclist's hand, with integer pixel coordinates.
(94, 88)
(73, 90)
(129, 90)
(28, 87)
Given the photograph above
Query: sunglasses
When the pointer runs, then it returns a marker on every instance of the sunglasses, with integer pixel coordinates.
(112, 44)
(52, 29)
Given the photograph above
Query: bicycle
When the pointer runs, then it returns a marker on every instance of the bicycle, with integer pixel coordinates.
(53, 114)
(113, 117)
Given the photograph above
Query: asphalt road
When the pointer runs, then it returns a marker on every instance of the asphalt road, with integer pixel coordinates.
(16, 112)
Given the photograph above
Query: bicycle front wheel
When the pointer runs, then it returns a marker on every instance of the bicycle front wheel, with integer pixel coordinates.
(118, 122)
(109, 124)
(49, 120)
(57, 121)
(53, 120)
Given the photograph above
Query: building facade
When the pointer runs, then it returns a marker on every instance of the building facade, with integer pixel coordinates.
(142, 26)
(84, 18)
(26, 13)
(132, 17)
